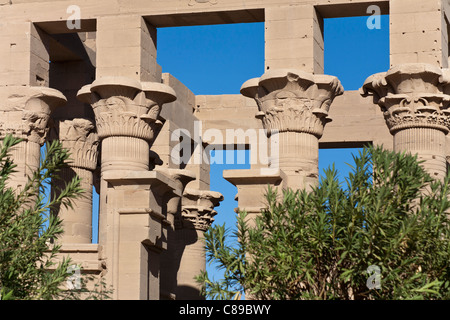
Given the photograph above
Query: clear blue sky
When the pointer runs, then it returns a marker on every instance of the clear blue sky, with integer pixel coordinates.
(218, 59)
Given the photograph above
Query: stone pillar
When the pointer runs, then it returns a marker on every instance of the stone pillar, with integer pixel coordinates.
(137, 231)
(169, 257)
(126, 46)
(418, 32)
(293, 106)
(294, 38)
(414, 100)
(80, 138)
(126, 115)
(24, 113)
(24, 54)
(196, 217)
(251, 187)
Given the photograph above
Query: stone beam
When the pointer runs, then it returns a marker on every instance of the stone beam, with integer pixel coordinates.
(72, 46)
(213, 12)
(356, 121)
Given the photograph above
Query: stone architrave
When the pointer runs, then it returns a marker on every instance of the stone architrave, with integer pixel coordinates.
(197, 215)
(24, 113)
(414, 100)
(80, 138)
(294, 106)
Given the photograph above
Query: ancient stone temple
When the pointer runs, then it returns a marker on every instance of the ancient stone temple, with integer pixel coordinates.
(85, 73)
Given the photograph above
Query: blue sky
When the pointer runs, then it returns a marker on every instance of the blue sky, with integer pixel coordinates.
(218, 59)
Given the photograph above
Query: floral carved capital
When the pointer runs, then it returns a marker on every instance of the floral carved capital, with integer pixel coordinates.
(126, 107)
(25, 111)
(293, 100)
(411, 95)
(80, 137)
(198, 209)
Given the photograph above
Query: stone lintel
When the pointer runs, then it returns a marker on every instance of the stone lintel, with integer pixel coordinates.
(263, 176)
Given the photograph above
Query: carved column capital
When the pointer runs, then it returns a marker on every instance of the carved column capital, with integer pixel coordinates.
(80, 137)
(25, 111)
(293, 100)
(198, 208)
(126, 107)
(181, 177)
(411, 96)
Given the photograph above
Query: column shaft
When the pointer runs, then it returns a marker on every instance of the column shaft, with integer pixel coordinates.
(428, 144)
(125, 153)
(26, 156)
(299, 158)
(192, 263)
(77, 221)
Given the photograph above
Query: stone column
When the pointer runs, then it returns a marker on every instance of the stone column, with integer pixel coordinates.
(414, 101)
(197, 215)
(24, 113)
(169, 257)
(126, 115)
(293, 106)
(137, 231)
(80, 138)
